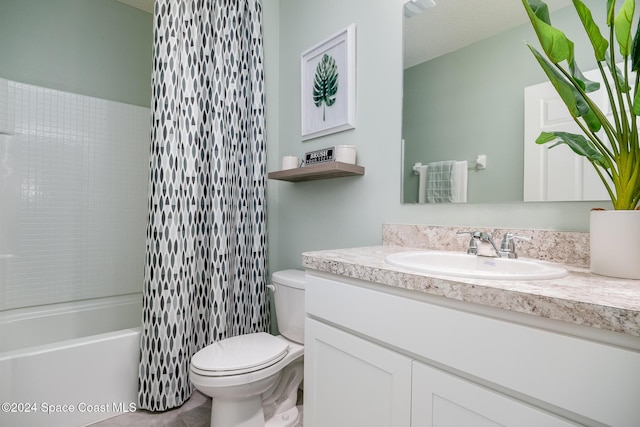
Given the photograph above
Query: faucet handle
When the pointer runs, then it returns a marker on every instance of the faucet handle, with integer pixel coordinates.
(508, 248)
(473, 242)
(509, 237)
(473, 234)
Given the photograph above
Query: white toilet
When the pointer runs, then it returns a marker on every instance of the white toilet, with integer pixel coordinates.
(254, 378)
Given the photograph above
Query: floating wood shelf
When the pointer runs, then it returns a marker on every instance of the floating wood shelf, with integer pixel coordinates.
(320, 171)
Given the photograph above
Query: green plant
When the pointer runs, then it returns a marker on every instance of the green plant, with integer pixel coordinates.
(611, 145)
(325, 83)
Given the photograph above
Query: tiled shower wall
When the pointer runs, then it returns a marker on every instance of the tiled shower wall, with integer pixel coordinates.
(73, 196)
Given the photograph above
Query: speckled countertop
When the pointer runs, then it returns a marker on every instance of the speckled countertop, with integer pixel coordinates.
(581, 297)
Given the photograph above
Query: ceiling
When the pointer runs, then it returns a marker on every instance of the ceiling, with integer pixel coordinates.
(450, 25)
(453, 24)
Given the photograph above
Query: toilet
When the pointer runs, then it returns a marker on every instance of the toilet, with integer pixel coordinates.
(253, 379)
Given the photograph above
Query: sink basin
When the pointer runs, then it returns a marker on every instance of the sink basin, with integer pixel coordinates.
(477, 267)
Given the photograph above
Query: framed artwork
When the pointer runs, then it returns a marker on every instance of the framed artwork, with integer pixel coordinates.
(329, 85)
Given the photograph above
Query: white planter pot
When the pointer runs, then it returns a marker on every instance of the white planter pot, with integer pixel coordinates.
(615, 243)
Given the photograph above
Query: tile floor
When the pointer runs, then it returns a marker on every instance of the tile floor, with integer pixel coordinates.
(196, 412)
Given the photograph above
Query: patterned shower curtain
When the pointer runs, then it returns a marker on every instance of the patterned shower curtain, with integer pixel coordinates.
(205, 274)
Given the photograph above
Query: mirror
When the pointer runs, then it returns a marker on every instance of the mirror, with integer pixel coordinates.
(466, 67)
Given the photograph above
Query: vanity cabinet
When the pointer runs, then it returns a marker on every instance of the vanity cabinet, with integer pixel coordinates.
(444, 400)
(378, 355)
(355, 382)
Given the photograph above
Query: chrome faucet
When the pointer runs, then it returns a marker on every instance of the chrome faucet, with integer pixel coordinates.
(507, 247)
(479, 236)
(473, 242)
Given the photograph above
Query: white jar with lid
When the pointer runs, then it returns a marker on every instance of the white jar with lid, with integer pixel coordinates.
(345, 154)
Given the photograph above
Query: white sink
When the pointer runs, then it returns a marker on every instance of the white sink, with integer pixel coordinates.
(478, 267)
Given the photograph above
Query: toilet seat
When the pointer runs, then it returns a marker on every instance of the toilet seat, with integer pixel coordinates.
(239, 355)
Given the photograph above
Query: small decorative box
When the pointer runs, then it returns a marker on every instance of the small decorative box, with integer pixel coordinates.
(320, 156)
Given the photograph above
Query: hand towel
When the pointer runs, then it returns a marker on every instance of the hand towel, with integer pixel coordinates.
(460, 174)
(422, 183)
(447, 181)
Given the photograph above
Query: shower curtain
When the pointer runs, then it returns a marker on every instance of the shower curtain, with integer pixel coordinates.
(205, 273)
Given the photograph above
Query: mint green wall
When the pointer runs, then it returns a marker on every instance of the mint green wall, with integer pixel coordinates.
(470, 102)
(99, 48)
(349, 212)
(345, 211)
(103, 39)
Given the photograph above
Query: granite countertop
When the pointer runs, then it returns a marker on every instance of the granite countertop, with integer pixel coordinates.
(581, 297)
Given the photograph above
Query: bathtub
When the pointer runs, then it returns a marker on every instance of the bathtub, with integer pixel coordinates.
(69, 364)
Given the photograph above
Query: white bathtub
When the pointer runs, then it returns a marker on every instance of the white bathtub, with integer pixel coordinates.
(69, 364)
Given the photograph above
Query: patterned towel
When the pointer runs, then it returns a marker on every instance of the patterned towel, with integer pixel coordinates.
(440, 181)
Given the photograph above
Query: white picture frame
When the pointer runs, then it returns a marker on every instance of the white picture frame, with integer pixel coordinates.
(325, 108)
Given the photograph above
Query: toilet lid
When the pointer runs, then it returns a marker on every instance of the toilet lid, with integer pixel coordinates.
(240, 354)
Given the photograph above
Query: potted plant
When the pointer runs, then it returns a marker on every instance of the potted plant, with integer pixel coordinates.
(609, 143)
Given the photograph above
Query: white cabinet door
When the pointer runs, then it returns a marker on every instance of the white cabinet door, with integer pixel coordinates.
(352, 382)
(444, 400)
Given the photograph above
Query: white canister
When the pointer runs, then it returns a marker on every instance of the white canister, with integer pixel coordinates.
(615, 248)
(346, 154)
(289, 162)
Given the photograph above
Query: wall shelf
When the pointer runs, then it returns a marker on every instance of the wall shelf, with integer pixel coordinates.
(320, 171)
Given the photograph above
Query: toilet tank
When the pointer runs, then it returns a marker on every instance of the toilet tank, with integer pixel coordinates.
(288, 296)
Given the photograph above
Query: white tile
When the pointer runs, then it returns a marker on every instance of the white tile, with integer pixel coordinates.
(80, 196)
